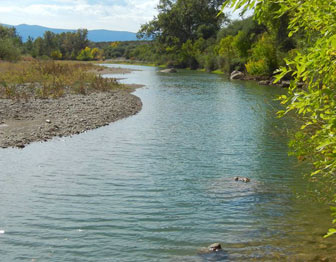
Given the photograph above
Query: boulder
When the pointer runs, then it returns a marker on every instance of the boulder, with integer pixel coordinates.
(169, 70)
(285, 83)
(242, 179)
(237, 75)
(215, 247)
(264, 82)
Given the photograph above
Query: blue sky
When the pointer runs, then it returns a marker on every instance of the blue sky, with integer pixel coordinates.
(126, 15)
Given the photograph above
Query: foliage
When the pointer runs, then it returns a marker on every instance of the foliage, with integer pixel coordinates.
(183, 20)
(180, 27)
(263, 58)
(257, 68)
(10, 49)
(85, 54)
(227, 50)
(56, 55)
(191, 34)
(315, 66)
(52, 45)
(88, 54)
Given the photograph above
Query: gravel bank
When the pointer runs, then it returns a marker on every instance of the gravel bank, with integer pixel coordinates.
(40, 120)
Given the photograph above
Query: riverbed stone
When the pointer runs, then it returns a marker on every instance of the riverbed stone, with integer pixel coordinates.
(169, 70)
(215, 247)
(242, 179)
(285, 83)
(237, 75)
(264, 82)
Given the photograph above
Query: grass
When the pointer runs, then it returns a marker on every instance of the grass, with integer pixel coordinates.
(50, 79)
(218, 72)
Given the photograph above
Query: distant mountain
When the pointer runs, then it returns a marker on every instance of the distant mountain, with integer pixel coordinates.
(35, 31)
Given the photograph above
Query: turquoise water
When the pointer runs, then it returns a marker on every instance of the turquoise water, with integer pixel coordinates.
(159, 186)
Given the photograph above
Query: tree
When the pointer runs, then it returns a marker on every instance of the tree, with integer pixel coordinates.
(10, 44)
(182, 20)
(227, 50)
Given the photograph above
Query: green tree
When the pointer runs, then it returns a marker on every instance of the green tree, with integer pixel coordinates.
(227, 50)
(180, 24)
(85, 54)
(10, 44)
(184, 20)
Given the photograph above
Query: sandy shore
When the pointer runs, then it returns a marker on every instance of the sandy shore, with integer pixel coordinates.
(23, 122)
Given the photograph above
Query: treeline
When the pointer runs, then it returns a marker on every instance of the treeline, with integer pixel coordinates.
(191, 34)
(64, 46)
(125, 49)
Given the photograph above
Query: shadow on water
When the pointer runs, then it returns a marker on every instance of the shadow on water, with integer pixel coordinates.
(220, 256)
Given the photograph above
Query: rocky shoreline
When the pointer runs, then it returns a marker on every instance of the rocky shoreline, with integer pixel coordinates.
(37, 120)
(266, 81)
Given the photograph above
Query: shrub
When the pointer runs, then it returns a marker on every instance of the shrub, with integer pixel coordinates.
(50, 79)
(8, 50)
(257, 68)
(263, 60)
(56, 55)
(85, 54)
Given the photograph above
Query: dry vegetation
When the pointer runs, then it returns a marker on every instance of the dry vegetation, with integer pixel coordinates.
(49, 79)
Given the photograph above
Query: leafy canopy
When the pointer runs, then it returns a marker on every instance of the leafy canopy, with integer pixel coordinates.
(182, 20)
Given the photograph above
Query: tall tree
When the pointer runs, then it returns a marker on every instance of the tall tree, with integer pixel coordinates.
(182, 20)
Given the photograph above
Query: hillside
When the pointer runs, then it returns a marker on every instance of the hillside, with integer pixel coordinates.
(94, 35)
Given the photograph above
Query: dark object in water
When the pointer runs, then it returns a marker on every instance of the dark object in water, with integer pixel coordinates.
(215, 247)
(242, 179)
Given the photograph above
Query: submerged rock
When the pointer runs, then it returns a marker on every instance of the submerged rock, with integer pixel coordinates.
(237, 75)
(264, 82)
(169, 70)
(242, 179)
(215, 247)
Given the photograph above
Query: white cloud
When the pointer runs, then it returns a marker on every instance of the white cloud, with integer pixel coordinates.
(91, 14)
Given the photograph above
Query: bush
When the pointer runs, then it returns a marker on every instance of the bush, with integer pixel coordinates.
(257, 68)
(50, 79)
(8, 50)
(56, 55)
(210, 63)
(85, 54)
(263, 60)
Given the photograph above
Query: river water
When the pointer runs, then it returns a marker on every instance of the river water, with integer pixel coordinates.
(159, 186)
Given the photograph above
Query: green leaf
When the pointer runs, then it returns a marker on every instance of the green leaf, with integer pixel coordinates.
(331, 232)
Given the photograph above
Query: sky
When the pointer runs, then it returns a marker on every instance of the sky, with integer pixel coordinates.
(121, 15)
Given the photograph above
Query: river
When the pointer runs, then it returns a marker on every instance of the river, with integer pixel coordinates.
(159, 186)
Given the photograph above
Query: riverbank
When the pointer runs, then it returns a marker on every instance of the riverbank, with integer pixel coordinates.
(23, 121)
(261, 80)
